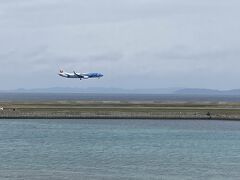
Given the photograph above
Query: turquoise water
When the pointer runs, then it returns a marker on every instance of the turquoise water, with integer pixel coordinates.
(119, 149)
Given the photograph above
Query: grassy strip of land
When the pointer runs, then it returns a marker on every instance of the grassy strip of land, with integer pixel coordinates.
(120, 110)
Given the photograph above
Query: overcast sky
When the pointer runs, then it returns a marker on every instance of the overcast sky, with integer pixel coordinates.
(134, 43)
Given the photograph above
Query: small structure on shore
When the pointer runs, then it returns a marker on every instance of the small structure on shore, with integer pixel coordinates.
(209, 115)
(1, 108)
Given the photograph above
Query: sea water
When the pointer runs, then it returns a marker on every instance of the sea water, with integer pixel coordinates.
(38, 97)
(119, 149)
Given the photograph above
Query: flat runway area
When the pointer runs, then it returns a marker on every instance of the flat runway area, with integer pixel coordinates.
(120, 110)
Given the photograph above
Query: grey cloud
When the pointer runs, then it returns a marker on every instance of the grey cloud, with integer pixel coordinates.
(165, 43)
(6, 55)
(36, 53)
(187, 55)
(112, 57)
(34, 13)
(98, 58)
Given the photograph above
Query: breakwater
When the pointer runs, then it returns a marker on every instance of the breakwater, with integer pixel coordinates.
(118, 110)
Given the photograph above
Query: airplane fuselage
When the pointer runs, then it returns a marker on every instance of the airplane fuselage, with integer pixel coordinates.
(80, 75)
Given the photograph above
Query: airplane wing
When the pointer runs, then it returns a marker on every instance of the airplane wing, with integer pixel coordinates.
(78, 75)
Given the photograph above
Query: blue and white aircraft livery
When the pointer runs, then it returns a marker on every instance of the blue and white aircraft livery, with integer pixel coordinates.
(80, 75)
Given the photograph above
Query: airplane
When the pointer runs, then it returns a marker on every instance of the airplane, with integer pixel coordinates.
(80, 75)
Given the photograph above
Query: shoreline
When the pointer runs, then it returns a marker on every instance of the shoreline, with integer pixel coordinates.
(120, 110)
